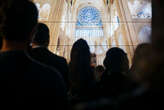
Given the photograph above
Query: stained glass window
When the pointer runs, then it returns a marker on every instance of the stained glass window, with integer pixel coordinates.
(89, 23)
(89, 27)
(141, 9)
(89, 16)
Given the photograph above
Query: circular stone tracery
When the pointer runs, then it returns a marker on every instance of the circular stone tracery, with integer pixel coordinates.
(89, 16)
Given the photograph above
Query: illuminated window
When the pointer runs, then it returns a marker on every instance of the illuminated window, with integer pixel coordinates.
(140, 9)
(89, 23)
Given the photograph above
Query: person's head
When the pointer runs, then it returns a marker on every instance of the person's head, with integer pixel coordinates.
(80, 52)
(21, 17)
(141, 61)
(80, 69)
(116, 61)
(42, 36)
(99, 70)
(141, 52)
(93, 60)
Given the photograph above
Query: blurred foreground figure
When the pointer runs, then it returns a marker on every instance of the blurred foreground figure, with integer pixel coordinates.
(0, 42)
(22, 79)
(150, 73)
(41, 53)
(141, 61)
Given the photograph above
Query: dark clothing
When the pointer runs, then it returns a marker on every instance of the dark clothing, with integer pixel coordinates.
(0, 42)
(83, 95)
(142, 99)
(44, 56)
(25, 81)
(148, 100)
(84, 89)
(115, 84)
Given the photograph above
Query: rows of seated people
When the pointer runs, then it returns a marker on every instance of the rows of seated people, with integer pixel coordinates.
(31, 75)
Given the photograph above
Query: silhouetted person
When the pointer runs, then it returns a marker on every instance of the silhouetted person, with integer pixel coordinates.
(153, 71)
(140, 63)
(99, 70)
(22, 79)
(158, 41)
(114, 82)
(93, 60)
(147, 70)
(0, 42)
(41, 53)
(81, 75)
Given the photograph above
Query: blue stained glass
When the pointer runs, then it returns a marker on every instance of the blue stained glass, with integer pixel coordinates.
(89, 16)
(89, 24)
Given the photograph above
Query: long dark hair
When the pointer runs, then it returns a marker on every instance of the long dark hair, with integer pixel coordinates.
(80, 70)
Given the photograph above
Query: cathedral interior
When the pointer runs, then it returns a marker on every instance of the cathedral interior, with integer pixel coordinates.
(102, 23)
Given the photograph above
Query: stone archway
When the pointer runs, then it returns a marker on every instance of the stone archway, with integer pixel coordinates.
(120, 25)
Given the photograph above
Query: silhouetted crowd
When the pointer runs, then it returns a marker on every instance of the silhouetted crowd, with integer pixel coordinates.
(32, 75)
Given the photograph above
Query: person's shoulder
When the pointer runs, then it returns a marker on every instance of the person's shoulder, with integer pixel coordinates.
(54, 55)
(49, 76)
(45, 69)
(12, 56)
(47, 72)
(60, 58)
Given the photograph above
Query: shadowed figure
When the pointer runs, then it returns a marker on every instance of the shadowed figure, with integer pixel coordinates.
(23, 80)
(0, 42)
(114, 82)
(146, 71)
(41, 53)
(83, 84)
(151, 72)
(140, 63)
(99, 70)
